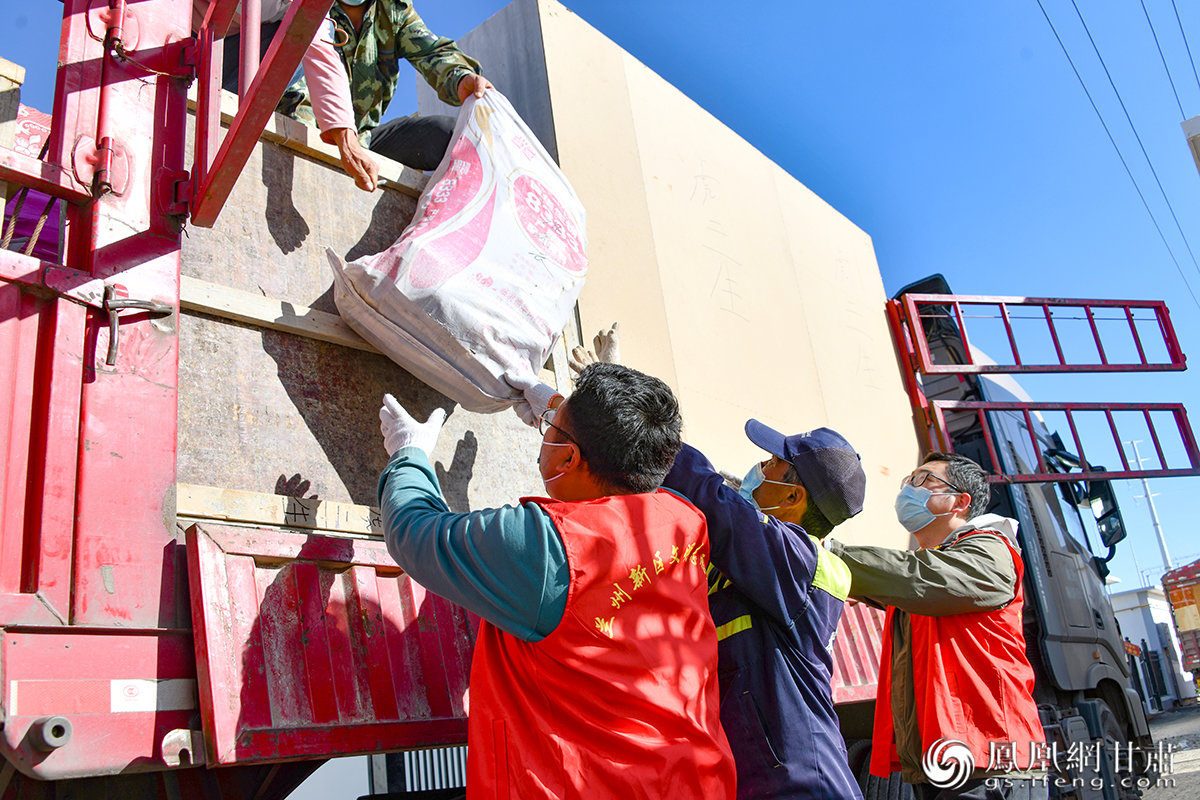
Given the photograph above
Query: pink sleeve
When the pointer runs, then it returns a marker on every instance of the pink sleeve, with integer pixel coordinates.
(328, 83)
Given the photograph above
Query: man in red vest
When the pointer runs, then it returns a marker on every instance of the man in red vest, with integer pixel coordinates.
(955, 712)
(595, 668)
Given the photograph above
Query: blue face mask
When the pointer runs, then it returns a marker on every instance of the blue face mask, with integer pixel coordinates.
(755, 478)
(912, 507)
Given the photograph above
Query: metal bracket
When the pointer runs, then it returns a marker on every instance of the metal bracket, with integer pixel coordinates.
(189, 57)
(180, 741)
(103, 166)
(175, 189)
(114, 306)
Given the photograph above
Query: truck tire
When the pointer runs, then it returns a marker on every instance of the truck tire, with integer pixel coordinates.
(891, 788)
(1105, 728)
(875, 788)
(1114, 736)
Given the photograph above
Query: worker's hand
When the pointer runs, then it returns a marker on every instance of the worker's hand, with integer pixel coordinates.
(608, 350)
(473, 84)
(399, 429)
(537, 397)
(355, 159)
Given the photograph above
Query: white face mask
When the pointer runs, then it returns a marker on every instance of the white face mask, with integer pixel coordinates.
(539, 461)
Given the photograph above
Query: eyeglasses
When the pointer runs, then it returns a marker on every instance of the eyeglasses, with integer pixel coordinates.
(920, 478)
(544, 424)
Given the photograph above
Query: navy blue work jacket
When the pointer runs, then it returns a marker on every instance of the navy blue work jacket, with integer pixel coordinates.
(776, 597)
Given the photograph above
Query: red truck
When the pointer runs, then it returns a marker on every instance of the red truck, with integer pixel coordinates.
(194, 598)
(1182, 586)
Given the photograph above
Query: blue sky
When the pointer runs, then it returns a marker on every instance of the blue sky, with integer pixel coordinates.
(957, 135)
(954, 133)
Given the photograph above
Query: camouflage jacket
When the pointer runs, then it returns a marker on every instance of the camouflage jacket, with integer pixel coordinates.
(391, 29)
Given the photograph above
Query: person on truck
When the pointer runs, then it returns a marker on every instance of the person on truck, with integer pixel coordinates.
(321, 71)
(350, 74)
(595, 666)
(373, 37)
(776, 597)
(953, 669)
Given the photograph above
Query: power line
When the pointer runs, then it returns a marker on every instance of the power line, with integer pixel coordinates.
(1113, 142)
(1164, 59)
(1133, 128)
(1186, 46)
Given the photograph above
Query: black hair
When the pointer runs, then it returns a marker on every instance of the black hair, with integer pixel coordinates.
(967, 476)
(627, 425)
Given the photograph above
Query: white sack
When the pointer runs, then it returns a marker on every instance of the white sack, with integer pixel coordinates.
(484, 279)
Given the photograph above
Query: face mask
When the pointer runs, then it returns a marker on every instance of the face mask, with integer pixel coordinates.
(755, 478)
(912, 507)
(539, 460)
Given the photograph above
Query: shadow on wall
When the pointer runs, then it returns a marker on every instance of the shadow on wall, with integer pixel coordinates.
(337, 392)
(284, 221)
(389, 218)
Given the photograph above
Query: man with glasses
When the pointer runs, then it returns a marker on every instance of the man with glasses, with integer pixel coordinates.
(776, 597)
(595, 668)
(953, 665)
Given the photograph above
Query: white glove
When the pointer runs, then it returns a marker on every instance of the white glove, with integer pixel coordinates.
(537, 398)
(399, 429)
(608, 350)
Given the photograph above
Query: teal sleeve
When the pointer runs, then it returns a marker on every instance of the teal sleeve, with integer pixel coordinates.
(508, 565)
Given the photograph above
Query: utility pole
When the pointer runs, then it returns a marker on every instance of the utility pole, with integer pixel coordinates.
(1158, 532)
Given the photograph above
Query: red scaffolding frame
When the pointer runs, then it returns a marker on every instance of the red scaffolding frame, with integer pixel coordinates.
(216, 167)
(955, 308)
(909, 314)
(89, 586)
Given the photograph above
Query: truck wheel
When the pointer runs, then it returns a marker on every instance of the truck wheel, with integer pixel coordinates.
(893, 788)
(858, 756)
(874, 788)
(1114, 737)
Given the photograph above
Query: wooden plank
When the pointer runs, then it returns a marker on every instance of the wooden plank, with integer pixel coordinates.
(305, 140)
(280, 315)
(232, 505)
(266, 312)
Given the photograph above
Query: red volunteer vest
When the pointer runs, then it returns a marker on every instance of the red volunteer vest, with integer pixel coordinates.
(620, 700)
(972, 682)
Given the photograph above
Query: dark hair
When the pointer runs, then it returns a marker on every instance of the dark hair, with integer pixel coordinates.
(968, 476)
(627, 424)
(813, 521)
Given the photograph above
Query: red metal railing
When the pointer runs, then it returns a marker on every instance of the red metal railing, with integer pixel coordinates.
(915, 319)
(1070, 410)
(1049, 314)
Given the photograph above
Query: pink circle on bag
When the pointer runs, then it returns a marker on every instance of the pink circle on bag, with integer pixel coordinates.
(548, 225)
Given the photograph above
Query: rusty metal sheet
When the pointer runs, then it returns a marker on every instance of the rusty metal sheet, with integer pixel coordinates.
(856, 654)
(310, 645)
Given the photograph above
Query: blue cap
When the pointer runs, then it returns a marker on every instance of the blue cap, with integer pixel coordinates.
(828, 466)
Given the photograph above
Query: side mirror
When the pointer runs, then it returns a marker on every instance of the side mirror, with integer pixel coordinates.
(1106, 511)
